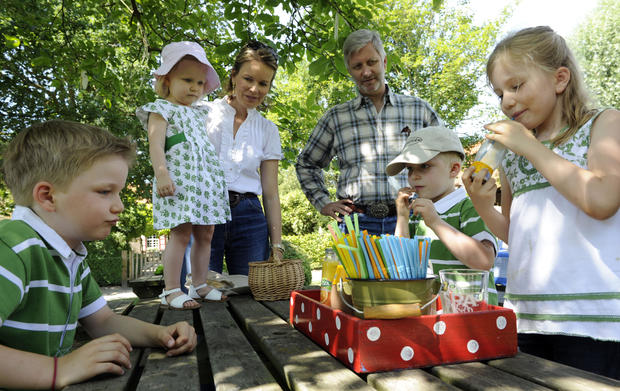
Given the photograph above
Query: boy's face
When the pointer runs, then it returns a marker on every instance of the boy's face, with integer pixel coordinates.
(90, 206)
(434, 179)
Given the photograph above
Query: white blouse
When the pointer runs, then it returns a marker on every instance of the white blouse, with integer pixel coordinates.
(257, 140)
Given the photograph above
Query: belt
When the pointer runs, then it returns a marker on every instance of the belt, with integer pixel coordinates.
(378, 210)
(235, 198)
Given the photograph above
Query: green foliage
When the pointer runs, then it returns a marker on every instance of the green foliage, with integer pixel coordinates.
(104, 259)
(309, 247)
(596, 44)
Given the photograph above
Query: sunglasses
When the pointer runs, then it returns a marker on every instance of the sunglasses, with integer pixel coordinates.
(257, 45)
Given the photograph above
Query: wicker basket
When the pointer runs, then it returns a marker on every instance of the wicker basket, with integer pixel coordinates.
(274, 279)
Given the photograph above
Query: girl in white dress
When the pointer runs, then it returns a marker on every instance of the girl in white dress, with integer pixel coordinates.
(560, 198)
(189, 191)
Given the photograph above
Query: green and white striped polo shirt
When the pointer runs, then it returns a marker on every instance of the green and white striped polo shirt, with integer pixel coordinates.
(457, 210)
(46, 287)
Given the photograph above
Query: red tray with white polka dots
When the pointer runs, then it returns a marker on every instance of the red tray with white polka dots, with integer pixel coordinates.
(381, 345)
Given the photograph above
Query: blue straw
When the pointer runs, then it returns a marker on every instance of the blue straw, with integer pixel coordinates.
(360, 243)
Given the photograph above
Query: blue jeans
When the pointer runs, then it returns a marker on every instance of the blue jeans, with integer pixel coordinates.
(373, 225)
(243, 239)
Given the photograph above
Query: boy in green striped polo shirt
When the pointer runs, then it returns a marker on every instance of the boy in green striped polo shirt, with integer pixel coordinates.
(433, 157)
(66, 180)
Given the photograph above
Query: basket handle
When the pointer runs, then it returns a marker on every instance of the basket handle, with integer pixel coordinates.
(275, 260)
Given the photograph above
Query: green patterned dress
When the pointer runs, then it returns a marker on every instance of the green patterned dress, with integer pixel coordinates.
(201, 195)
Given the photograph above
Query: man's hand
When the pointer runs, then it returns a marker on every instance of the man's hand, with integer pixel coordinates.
(334, 209)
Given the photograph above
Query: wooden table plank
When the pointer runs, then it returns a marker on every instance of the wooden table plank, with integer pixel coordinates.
(303, 364)
(280, 308)
(146, 311)
(476, 376)
(170, 373)
(234, 363)
(408, 379)
(554, 375)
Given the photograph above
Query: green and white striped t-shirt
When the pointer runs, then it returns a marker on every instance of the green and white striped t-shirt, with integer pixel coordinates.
(46, 286)
(457, 210)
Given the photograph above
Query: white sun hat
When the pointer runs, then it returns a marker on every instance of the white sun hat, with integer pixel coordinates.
(175, 51)
(423, 145)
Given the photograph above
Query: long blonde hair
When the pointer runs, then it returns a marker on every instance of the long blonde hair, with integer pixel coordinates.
(543, 47)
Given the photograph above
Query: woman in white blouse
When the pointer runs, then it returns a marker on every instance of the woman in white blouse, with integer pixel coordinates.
(249, 147)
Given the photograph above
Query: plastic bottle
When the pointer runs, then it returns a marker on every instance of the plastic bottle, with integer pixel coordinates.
(330, 263)
(489, 156)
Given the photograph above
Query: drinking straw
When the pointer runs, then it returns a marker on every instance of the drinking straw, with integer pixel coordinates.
(389, 257)
(345, 261)
(385, 262)
(378, 256)
(379, 271)
(398, 256)
(356, 254)
(372, 270)
(352, 232)
(356, 221)
(414, 258)
(349, 249)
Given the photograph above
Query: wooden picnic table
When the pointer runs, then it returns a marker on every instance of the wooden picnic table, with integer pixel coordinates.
(248, 345)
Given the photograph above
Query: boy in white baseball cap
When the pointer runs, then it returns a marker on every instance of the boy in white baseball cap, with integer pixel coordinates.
(433, 157)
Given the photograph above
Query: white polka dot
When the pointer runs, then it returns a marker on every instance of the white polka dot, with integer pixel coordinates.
(303, 307)
(350, 355)
(373, 333)
(407, 353)
(439, 327)
(501, 322)
(291, 299)
(318, 313)
(310, 326)
(326, 339)
(338, 323)
(472, 346)
(296, 318)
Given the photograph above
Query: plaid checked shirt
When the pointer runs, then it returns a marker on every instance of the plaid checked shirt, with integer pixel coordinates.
(364, 142)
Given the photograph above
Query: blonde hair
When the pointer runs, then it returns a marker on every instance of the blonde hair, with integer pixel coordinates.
(160, 86)
(57, 151)
(544, 48)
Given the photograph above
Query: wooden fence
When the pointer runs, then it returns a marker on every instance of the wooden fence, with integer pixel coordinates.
(139, 264)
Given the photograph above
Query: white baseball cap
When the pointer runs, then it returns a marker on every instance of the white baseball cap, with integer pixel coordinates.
(175, 51)
(423, 145)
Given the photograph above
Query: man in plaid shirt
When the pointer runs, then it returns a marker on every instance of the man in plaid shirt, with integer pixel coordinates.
(365, 134)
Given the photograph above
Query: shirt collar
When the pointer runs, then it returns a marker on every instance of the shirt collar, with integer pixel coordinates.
(46, 232)
(229, 107)
(450, 200)
(361, 100)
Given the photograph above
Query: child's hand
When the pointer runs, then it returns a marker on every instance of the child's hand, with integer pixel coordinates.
(108, 354)
(482, 193)
(425, 208)
(513, 135)
(402, 201)
(165, 186)
(178, 338)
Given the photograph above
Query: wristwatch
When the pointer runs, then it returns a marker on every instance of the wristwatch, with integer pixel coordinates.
(278, 245)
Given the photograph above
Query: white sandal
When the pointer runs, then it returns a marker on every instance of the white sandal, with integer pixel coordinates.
(214, 295)
(177, 302)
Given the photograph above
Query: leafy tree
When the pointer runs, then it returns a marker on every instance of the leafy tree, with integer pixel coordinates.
(91, 61)
(597, 43)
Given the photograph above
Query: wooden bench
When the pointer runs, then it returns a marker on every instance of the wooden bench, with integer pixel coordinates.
(248, 345)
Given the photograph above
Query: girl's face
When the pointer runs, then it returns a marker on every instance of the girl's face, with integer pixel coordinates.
(186, 82)
(252, 83)
(527, 93)
(433, 179)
